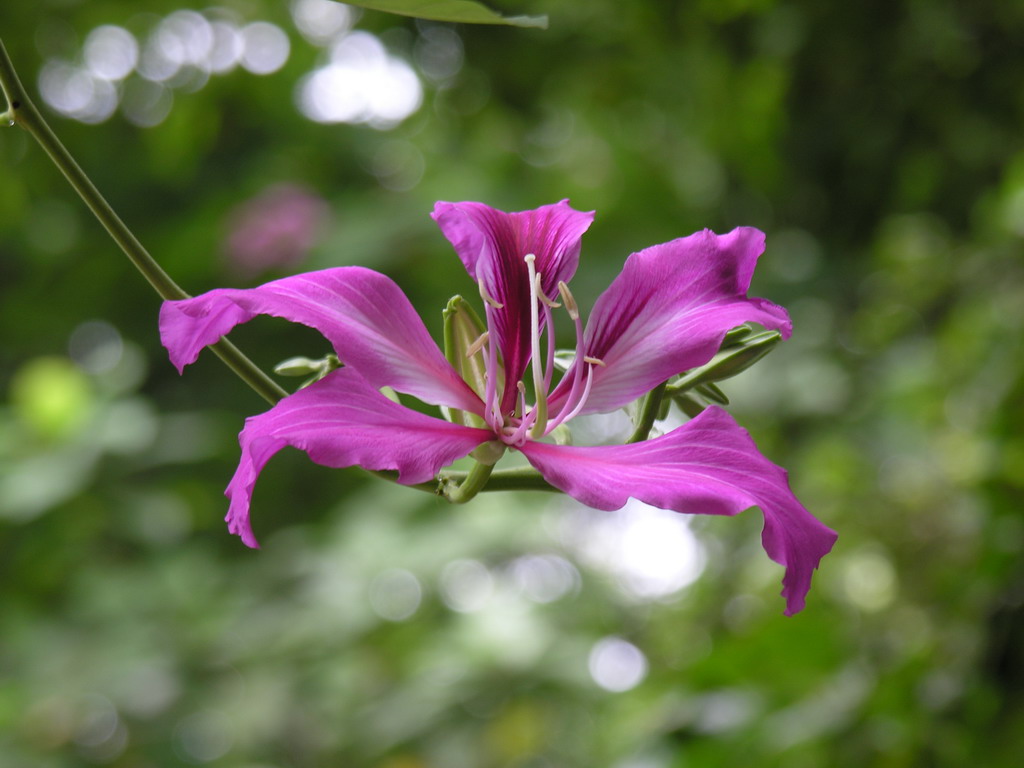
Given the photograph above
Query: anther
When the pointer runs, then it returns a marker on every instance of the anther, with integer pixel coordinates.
(486, 297)
(478, 344)
(567, 298)
(594, 361)
(543, 296)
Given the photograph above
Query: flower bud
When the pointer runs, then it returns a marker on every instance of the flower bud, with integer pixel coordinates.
(727, 363)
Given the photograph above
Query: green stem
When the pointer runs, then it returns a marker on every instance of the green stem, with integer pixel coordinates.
(649, 412)
(21, 111)
(518, 479)
(470, 485)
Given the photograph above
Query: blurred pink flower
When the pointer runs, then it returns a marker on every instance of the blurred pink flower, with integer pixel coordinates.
(275, 229)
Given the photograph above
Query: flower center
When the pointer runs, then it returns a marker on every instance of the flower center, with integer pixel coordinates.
(534, 421)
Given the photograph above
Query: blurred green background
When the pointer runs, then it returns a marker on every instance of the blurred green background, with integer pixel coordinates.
(879, 146)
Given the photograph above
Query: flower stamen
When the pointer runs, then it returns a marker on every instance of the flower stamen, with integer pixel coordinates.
(488, 299)
(569, 300)
(580, 403)
(492, 409)
(543, 296)
(549, 365)
(540, 409)
(477, 344)
(577, 368)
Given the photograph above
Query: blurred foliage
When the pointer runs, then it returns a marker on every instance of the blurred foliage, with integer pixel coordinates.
(877, 143)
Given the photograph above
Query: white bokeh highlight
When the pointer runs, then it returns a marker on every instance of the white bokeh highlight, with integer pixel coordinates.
(616, 664)
(652, 553)
(360, 84)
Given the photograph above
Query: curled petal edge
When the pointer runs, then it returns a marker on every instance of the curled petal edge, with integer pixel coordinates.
(709, 465)
(343, 421)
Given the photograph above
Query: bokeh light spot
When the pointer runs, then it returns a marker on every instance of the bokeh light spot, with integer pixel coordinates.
(617, 665)
(110, 52)
(466, 585)
(362, 83)
(266, 48)
(395, 594)
(321, 21)
(96, 346)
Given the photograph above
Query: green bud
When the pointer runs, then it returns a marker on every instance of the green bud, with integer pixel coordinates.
(298, 366)
(304, 366)
(728, 362)
(463, 348)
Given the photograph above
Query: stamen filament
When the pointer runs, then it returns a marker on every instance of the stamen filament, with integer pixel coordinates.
(492, 410)
(518, 437)
(549, 327)
(540, 409)
(577, 366)
(563, 416)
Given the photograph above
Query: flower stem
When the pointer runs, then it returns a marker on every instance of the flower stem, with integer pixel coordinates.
(21, 111)
(518, 479)
(648, 413)
(471, 485)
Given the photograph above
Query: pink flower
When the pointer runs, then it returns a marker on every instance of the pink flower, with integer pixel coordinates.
(667, 312)
(277, 228)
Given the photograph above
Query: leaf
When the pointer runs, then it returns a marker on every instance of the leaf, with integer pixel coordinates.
(465, 11)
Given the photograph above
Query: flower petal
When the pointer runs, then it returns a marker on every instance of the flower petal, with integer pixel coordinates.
(343, 421)
(709, 465)
(492, 244)
(364, 315)
(668, 311)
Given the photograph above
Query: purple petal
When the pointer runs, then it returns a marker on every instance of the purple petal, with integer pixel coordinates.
(343, 421)
(668, 311)
(708, 466)
(492, 244)
(364, 315)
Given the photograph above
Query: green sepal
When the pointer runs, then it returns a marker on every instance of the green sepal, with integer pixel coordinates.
(728, 362)
(562, 435)
(712, 393)
(663, 409)
(488, 453)
(688, 404)
(736, 336)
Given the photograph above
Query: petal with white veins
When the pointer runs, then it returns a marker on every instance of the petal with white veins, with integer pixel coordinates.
(668, 311)
(364, 314)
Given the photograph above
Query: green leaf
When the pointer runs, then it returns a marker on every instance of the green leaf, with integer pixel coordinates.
(465, 11)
